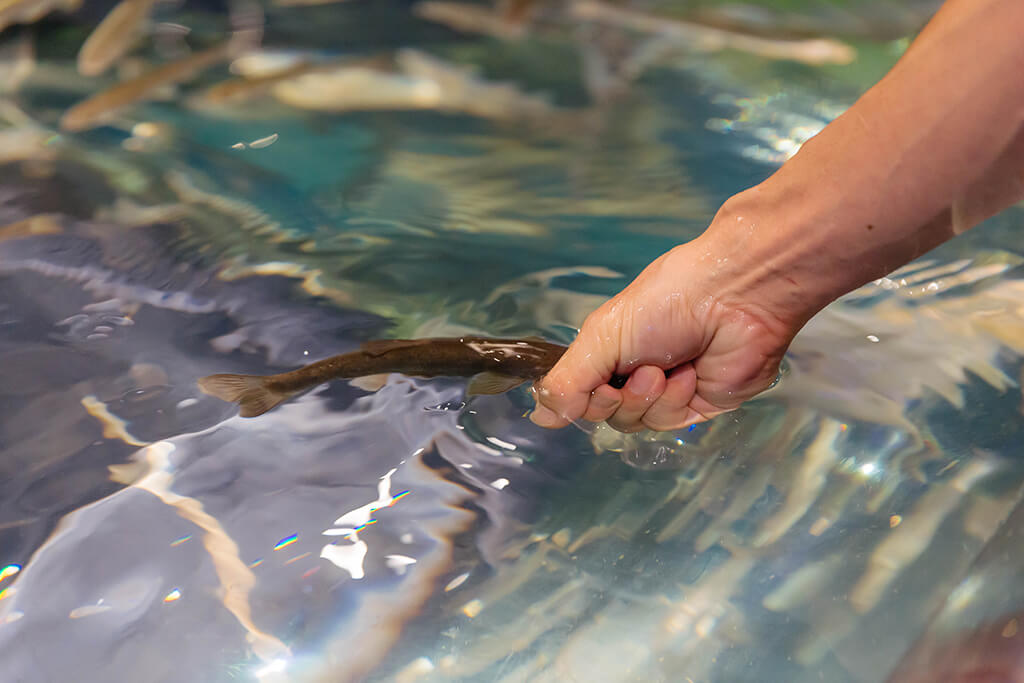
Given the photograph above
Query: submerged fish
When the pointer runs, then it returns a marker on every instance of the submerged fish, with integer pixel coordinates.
(114, 36)
(471, 18)
(710, 39)
(237, 90)
(31, 11)
(98, 108)
(496, 365)
(241, 89)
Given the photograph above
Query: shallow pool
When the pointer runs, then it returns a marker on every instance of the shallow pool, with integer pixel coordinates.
(427, 181)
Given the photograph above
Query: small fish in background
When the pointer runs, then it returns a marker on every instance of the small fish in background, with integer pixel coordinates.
(102, 107)
(247, 23)
(17, 60)
(31, 11)
(118, 33)
(355, 88)
(881, 21)
(242, 89)
(463, 90)
(413, 81)
(692, 36)
(496, 366)
(517, 11)
(468, 18)
(258, 82)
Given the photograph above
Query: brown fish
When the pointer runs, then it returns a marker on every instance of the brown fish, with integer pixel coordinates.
(31, 11)
(710, 39)
(496, 365)
(102, 106)
(237, 90)
(505, 23)
(114, 36)
(95, 110)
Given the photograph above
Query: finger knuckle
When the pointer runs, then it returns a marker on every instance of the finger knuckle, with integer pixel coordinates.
(660, 423)
(592, 324)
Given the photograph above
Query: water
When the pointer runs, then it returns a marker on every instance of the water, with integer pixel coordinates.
(859, 515)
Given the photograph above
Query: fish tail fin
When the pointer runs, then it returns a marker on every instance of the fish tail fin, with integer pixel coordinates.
(250, 392)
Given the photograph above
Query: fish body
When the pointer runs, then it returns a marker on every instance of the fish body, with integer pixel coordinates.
(93, 111)
(496, 365)
(710, 39)
(31, 11)
(508, 23)
(114, 36)
(238, 90)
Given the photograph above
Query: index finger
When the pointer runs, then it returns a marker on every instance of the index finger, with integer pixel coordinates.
(563, 395)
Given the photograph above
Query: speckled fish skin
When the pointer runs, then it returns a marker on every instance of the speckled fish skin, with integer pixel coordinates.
(498, 364)
(455, 357)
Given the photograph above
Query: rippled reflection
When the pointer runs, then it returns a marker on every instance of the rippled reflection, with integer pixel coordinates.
(855, 522)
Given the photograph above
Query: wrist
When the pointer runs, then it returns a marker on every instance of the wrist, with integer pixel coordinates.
(760, 251)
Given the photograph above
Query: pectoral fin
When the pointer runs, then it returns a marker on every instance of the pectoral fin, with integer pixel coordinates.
(492, 383)
(370, 383)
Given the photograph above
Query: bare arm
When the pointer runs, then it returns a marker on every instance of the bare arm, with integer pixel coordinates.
(932, 149)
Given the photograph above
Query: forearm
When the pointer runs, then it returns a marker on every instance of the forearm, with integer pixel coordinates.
(935, 147)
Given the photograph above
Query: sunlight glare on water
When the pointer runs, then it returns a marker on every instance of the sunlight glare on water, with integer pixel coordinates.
(359, 171)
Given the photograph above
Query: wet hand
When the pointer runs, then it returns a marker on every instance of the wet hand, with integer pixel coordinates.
(690, 352)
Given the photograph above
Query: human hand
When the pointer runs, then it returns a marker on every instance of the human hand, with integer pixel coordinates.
(692, 349)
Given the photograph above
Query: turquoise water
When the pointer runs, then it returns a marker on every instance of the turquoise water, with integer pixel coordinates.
(865, 506)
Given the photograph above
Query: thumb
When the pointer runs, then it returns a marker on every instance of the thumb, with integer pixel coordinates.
(563, 395)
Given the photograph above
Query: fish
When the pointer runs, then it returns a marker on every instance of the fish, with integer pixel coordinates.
(17, 61)
(710, 39)
(421, 82)
(101, 107)
(235, 91)
(516, 11)
(95, 110)
(495, 365)
(31, 11)
(467, 18)
(114, 36)
(358, 88)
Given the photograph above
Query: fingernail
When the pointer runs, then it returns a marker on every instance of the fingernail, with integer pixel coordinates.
(642, 382)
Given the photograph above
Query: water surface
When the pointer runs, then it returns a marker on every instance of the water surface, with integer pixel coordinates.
(410, 534)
